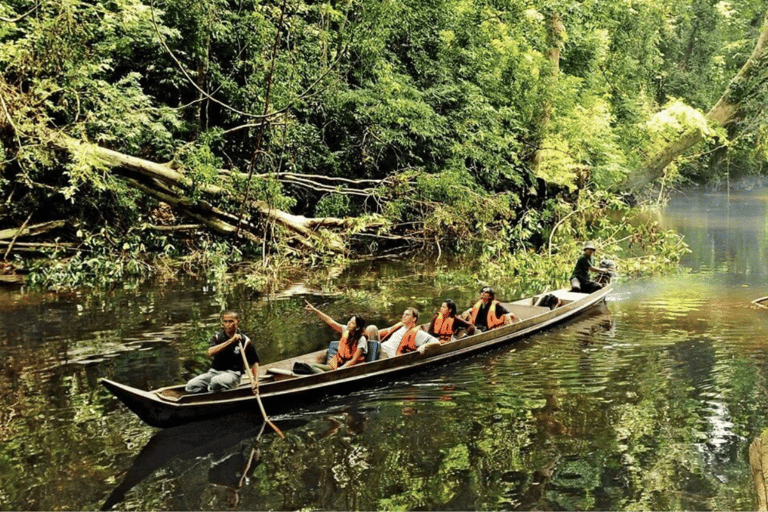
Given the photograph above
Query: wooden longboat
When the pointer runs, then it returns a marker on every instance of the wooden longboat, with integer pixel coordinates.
(762, 302)
(280, 390)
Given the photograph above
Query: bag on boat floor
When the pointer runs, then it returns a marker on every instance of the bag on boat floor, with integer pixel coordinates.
(300, 368)
(550, 301)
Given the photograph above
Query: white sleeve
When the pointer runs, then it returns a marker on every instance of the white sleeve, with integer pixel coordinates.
(422, 338)
(363, 344)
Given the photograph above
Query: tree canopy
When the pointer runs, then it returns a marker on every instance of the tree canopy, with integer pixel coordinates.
(245, 129)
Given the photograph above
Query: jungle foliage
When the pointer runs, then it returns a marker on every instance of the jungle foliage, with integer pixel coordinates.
(202, 135)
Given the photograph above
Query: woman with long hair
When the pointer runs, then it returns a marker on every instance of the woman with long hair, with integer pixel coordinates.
(445, 324)
(352, 343)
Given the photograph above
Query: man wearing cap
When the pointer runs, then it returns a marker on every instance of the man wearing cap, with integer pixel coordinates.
(580, 281)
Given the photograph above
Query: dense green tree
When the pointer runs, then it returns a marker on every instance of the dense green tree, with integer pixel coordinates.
(480, 125)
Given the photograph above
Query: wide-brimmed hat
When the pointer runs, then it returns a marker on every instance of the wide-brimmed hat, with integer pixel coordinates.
(589, 245)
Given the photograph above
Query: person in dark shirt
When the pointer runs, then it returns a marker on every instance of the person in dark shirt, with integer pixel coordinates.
(580, 281)
(489, 313)
(227, 364)
(445, 324)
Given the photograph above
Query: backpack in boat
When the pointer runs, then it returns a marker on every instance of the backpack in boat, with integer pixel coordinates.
(300, 368)
(550, 301)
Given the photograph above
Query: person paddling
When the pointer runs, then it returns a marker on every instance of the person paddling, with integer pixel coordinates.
(227, 363)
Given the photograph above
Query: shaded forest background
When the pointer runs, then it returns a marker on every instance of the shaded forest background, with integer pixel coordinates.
(145, 138)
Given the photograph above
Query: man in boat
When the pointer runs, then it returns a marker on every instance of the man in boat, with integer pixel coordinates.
(488, 313)
(405, 336)
(580, 281)
(227, 362)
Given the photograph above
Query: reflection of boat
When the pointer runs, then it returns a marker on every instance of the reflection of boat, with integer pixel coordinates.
(596, 320)
(190, 442)
(762, 302)
(280, 389)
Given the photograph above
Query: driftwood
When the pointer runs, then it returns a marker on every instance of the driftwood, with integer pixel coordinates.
(12, 279)
(758, 460)
(37, 246)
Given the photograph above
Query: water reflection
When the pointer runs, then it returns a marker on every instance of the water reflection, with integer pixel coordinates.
(646, 403)
(229, 446)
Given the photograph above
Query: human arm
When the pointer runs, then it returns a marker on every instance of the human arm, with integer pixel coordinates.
(502, 311)
(419, 341)
(356, 358)
(385, 333)
(460, 323)
(336, 326)
(215, 348)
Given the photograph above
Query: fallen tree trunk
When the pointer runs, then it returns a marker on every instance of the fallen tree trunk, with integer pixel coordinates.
(37, 229)
(723, 114)
(219, 221)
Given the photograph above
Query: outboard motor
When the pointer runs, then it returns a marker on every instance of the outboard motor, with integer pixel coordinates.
(604, 278)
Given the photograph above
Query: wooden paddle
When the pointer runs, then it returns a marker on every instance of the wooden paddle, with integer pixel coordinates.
(255, 389)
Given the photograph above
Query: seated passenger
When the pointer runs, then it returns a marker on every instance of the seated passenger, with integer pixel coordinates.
(405, 336)
(352, 345)
(488, 313)
(445, 324)
(580, 281)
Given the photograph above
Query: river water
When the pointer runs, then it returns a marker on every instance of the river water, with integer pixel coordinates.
(647, 403)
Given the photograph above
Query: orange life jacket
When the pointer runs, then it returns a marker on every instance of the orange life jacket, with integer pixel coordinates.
(443, 328)
(492, 320)
(408, 343)
(347, 350)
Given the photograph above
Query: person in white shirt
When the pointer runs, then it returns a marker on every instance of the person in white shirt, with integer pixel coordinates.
(405, 336)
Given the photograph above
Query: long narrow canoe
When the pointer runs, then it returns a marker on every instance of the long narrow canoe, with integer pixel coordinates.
(281, 390)
(762, 302)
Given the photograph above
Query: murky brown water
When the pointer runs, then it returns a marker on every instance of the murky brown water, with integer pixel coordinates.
(648, 403)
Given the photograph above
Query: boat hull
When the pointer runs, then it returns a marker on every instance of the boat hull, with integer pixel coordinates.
(169, 407)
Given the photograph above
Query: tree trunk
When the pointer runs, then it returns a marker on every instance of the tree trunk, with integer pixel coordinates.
(758, 461)
(222, 222)
(556, 33)
(723, 113)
